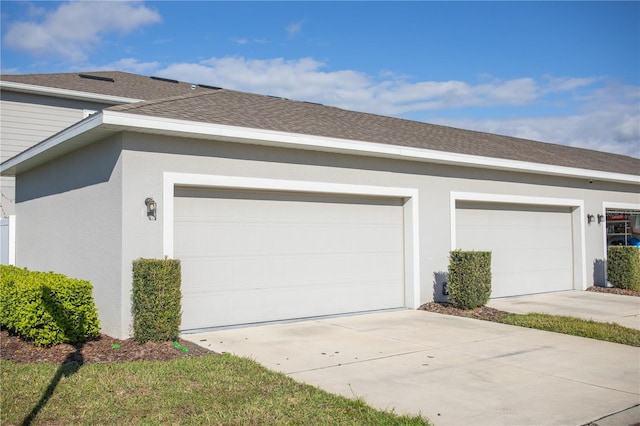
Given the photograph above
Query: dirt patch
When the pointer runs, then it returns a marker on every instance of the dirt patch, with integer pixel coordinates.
(483, 312)
(612, 290)
(490, 314)
(103, 349)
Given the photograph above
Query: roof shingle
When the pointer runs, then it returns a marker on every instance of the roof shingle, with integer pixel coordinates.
(124, 84)
(266, 112)
(180, 100)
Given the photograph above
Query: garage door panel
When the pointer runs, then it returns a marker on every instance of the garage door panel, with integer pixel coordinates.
(529, 260)
(240, 273)
(254, 257)
(532, 246)
(478, 238)
(266, 305)
(289, 238)
(545, 283)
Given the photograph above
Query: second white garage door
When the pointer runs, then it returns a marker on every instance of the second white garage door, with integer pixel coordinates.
(532, 246)
(252, 257)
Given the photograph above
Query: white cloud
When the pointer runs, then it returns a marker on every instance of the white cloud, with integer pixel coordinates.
(74, 28)
(608, 123)
(240, 41)
(306, 79)
(132, 65)
(601, 116)
(294, 28)
(563, 84)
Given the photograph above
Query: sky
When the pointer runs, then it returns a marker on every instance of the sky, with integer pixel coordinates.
(559, 72)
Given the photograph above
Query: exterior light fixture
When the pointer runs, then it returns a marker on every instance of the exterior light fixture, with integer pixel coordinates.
(600, 218)
(590, 219)
(151, 208)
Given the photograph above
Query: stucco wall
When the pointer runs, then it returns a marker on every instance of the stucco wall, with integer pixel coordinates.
(146, 157)
(71, 212)
(96, 222)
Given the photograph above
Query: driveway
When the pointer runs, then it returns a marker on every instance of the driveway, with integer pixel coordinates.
(453, 370)
(624, 310)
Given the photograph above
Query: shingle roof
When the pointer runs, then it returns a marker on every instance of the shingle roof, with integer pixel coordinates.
(178, 100)
(265, 112)
(112, 83)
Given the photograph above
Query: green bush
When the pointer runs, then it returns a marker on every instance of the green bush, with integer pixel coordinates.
(47, 308)
(469, 278)
(623, 267)
(156, 299)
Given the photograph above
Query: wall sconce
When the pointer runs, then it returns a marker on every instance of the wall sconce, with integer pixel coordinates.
(590, 219)
(600, 218)
(151, 208)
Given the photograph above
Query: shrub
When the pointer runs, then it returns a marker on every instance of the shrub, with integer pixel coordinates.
(623, 267)
(469, 278)
(156, 299)
(47, 308)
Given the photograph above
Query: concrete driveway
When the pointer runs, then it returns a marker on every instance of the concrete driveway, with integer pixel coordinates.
(455, 371)
(624, 310)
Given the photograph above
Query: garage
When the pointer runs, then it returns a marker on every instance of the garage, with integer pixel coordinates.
(531, 245)
(255, 256)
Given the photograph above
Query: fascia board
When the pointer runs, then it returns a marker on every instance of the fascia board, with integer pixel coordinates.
(321, 143)
(65, 93)
(120, 121)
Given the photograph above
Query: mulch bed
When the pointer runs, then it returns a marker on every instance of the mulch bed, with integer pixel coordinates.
(490, 314)
(483, 312)
(102, 348)
(612, 290)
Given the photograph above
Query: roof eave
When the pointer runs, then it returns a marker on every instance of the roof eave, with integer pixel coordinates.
(108, 122)
(65, 93)
(80, 134)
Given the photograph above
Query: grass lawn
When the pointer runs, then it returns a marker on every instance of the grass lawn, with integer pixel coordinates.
(212, 389)
(609, 332)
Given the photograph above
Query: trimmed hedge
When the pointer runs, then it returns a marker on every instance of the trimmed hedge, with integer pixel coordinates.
(469, 278)
(47, 308)
(156, 299)
(623, 267)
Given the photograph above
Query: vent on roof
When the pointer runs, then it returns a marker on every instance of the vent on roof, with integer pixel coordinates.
(97, 77)
(168, 80)
(204, 86)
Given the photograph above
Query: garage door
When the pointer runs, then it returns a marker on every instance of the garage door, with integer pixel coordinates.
(532, 246)
(251, 257)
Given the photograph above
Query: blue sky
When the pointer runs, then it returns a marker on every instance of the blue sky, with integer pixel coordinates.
(561, 72)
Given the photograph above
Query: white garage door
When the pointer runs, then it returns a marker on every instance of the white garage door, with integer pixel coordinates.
(532, 246)
(262, 256)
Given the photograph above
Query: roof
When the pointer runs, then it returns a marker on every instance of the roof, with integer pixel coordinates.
(110, 83)
(270, 113)
(170, 99)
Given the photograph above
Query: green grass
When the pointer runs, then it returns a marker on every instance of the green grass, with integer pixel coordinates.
(609, 332)
(212, 389)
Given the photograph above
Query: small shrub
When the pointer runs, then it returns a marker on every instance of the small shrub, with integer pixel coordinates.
(623, 267)
(47, 308)
(156, 299)
(469, 278)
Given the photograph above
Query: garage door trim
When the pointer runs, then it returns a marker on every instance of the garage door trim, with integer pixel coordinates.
(411, 215)
(577, 213)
